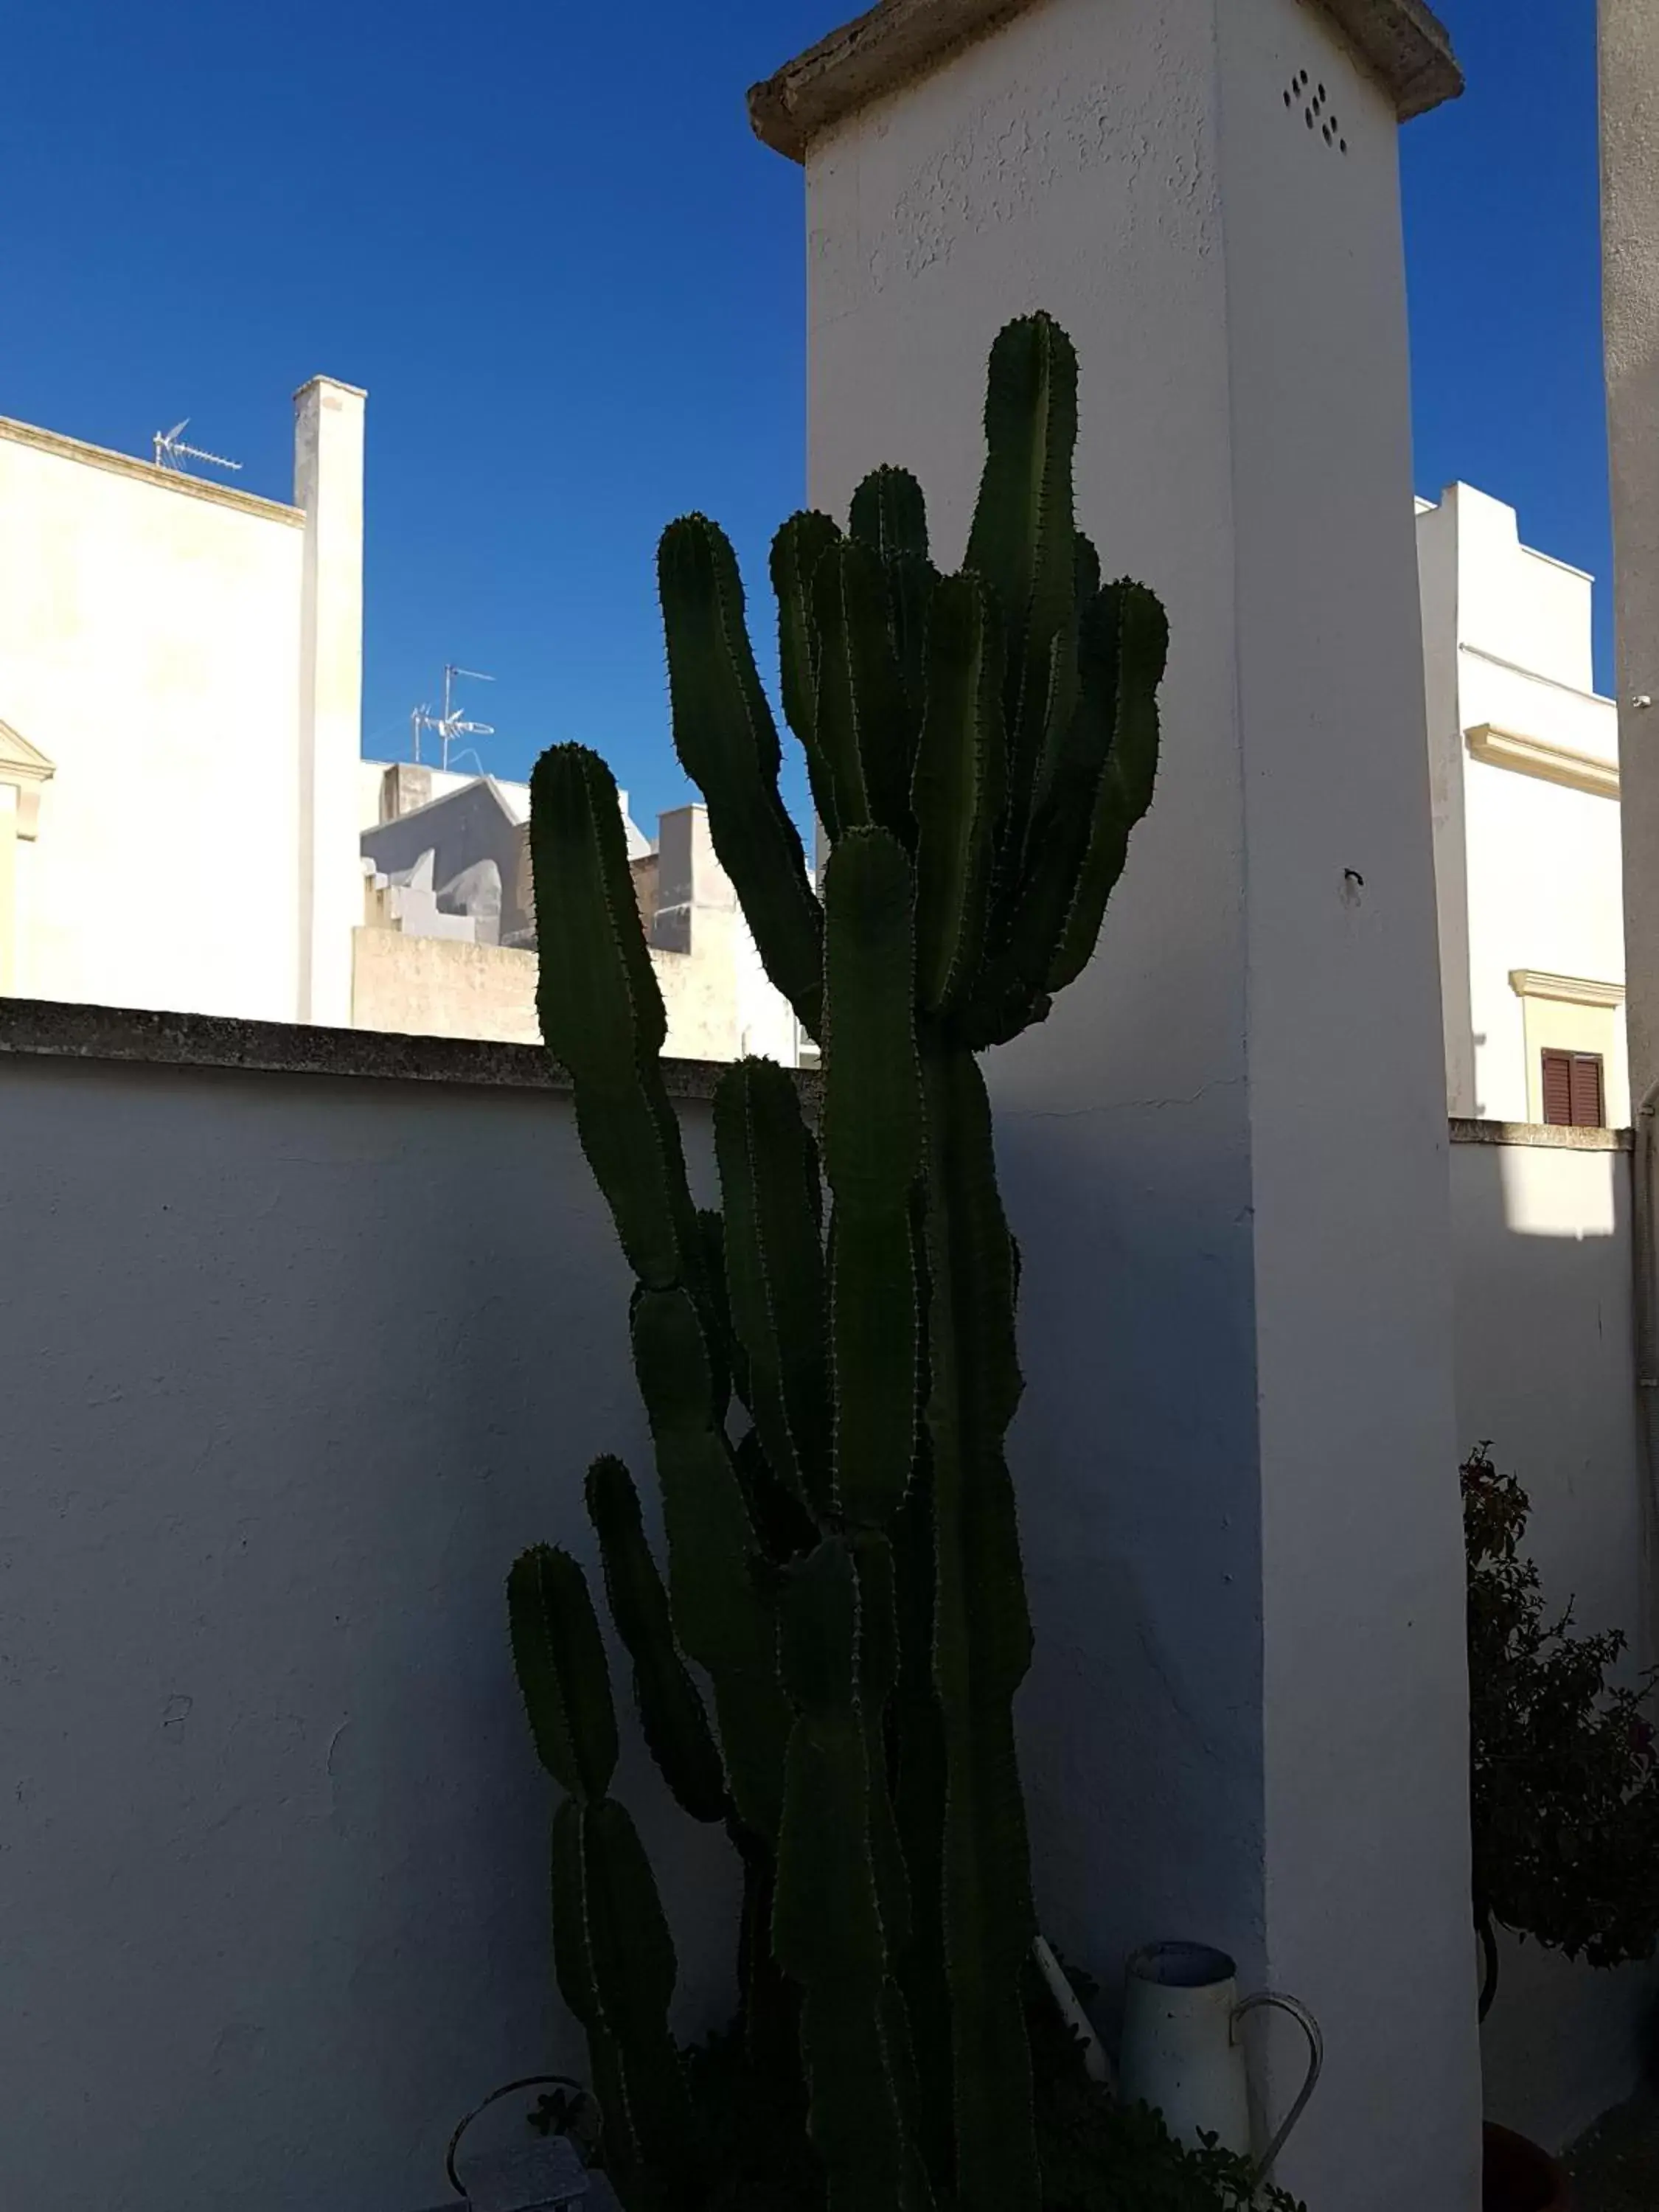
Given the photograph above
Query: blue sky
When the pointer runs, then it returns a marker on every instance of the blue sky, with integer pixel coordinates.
(544, 239)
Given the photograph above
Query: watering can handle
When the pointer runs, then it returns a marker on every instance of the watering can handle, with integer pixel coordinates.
(1309, 2026)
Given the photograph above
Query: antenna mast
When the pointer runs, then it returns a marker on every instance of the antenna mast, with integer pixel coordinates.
(450, 726)
(172, 453)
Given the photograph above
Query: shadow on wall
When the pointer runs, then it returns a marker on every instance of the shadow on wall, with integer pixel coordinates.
(1545, 1371)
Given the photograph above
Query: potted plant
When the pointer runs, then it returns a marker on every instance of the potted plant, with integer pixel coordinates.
(827, 1667)
(1564, 1786)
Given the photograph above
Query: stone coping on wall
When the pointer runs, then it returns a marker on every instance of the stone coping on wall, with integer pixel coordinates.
(53, 1029)
(56, 1029)
(1544, 1137)
(129, 465)
(1401, 42)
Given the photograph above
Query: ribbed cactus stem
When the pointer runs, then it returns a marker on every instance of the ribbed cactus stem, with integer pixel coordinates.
(828, 1932)
(873, 1149)
(727, 743)
(842, 1577)
(982, 1641)
(670, 1705)
(612, 1950)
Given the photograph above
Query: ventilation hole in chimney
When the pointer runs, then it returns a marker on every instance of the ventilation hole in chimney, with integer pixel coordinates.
(1316, 111)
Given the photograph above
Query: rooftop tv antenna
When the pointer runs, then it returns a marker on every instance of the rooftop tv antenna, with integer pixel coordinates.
(450, 726)
(172, 453)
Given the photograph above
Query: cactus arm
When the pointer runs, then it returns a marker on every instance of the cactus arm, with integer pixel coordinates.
(827, 1931)
(1023, 539)
(796, 552)
(601, 1011)
(769, 1172)
(878, 1679)
(784, 1526)
(1125, 789)
(671, 1708)
(560, 1661)
(889, 514)
(728, 743)
(912, 582)
(872, 1151)
(981, 1641)
(615, 1961)
(601, 1008)
(1011, 988)
(918, 1788)
(1087, 577)
(957, 794)
(722, 1616)
(864, 721)
(612, 1952)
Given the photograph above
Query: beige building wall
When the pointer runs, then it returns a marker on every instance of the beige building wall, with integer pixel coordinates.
(719, 1002)
(181, 663)
(442, 986)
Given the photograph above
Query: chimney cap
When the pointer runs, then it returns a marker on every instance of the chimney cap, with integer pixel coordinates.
(1401, 42)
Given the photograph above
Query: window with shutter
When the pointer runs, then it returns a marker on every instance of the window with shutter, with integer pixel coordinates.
(1573, 1094)
(1587, 1091)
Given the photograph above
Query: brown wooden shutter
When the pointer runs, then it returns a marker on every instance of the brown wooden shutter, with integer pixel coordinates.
(1557, 1088)
(1587, 1089)
(1573, 1095)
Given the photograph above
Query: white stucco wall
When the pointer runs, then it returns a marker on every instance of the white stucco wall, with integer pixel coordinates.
(328, 484)
(1235, 1345)
(1630, 199)
(189, 661)
(150, 641)
(300, 1365)
(1529, 874)
(1545, 1371)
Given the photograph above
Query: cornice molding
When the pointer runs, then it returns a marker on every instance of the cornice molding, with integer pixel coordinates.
(1571, 990)
(1400, 42)
(27, 767)
(1542, 758)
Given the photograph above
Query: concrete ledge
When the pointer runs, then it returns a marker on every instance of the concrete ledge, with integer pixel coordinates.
(1400, 42)
(49, 1028)
(1544, 1137)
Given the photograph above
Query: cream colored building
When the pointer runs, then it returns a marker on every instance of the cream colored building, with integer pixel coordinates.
(184, 807)
(181, 689)
(1524, 779)
(447, 949)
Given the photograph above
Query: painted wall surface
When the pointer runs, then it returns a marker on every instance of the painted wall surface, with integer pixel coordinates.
(1545, 1371)
(328, 483)
(150, 642)
(188, 659)
(1630, 221)
(719, 1002)
(1220, 1742)
(302, 1364)
(1529, 875)
(423, 986)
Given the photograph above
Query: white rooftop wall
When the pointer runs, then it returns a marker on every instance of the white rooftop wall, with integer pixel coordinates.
(1529, 872)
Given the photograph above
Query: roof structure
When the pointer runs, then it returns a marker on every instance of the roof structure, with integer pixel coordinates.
(1403, 43)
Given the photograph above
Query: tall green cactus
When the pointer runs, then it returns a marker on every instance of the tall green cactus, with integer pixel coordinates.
(830, 1662)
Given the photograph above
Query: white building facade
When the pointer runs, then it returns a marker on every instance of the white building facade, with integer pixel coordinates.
(1524, 783)
(180, 703)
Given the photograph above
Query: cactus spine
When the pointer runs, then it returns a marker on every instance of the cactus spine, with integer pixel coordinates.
(843, 1585)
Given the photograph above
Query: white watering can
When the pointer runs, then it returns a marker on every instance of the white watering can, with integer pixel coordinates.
(1183, 2050)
